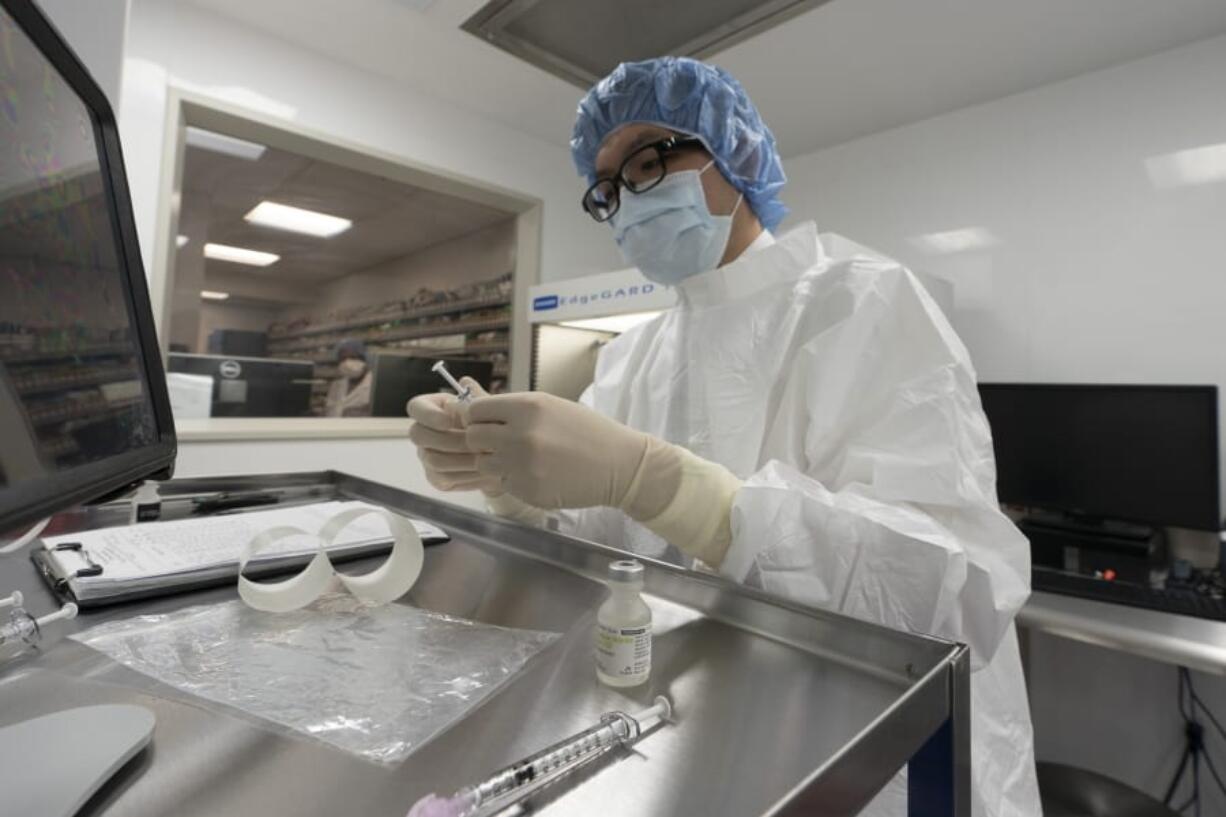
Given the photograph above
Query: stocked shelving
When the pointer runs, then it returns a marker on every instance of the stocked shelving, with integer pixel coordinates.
(68, 386)
(384, 336)
(74, 413)
(45, 382)
(473, 321)
(326, 360)
(19, 356)
(404, 314)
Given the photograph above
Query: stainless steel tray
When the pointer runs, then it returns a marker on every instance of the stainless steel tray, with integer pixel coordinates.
(780, 708)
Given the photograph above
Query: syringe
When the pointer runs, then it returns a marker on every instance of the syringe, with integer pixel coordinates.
(464, 392)
(23, 631)
(615, 728)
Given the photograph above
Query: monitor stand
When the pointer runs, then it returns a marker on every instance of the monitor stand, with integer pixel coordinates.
(53, 764)
(1089, 545)
(1091, 526)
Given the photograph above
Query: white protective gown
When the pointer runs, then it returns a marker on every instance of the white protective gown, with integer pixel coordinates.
(838, 391)
(348, 399)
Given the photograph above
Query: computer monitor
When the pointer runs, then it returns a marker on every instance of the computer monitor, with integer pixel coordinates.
(1145, 454)
(83, 405)
(399, 377)
(252, 386)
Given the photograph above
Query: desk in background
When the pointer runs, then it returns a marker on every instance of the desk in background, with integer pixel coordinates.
(1195, 643)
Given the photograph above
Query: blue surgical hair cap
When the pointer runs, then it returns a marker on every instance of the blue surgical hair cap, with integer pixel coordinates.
(696, 99)
(352, 347)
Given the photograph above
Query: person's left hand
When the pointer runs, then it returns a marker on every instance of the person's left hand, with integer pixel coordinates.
(554, 453)
(438, 434)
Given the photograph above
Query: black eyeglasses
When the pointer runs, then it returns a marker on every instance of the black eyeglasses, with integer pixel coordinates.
(641, 171)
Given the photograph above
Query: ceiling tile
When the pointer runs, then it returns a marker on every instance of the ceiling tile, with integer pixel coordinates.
(391, 219)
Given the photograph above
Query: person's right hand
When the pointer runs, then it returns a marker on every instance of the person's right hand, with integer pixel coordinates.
(438, 433)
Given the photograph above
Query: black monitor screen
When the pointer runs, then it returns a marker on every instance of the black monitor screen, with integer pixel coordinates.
(1137, 453)
(251, 386)
(399, 378)
(74, 368)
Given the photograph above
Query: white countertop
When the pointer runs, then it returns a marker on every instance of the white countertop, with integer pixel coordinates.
(215, 429)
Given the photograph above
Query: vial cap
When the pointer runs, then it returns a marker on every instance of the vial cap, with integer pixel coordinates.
(626, 571)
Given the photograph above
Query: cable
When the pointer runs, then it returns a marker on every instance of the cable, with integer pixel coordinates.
(26, 538)
(1216, 724)
(1213, 771)
(1183, 680)
(1170, 790)
(1183, 760)
(1196, 782)
(1195, 750)
(1194, 743)
(1187, 748)
(1196, 701)
(1196, 738)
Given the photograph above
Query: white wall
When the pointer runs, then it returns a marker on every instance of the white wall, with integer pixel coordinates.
(1095, 273)
(226, 315)
(479, 256)
(174, 43)
(96, 30)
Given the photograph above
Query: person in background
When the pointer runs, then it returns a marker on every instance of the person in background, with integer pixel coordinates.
(349, 393)
(802, 422)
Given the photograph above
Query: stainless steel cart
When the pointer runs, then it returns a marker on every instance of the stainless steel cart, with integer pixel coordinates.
(781, 709)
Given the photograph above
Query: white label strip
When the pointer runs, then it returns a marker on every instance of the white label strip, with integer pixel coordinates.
(386, 583)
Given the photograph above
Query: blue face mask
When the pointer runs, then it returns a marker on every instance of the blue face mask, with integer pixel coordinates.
(668, 232)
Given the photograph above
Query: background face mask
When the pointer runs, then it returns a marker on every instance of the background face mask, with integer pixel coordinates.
(668, 232)
(351, 368)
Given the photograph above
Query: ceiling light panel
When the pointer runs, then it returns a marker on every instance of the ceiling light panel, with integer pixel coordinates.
(1183, 168)
(213, 295)
(220, 143)
(240, 255)
(296, 220)
(954, 241)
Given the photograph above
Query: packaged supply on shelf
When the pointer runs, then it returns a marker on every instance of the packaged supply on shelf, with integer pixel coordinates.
(437, 342)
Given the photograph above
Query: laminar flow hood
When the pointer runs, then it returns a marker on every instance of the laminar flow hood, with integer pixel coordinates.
(583, 40)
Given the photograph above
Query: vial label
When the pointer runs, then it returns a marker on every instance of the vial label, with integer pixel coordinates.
(623, 652)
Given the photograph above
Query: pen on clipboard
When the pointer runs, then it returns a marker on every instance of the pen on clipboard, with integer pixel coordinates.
(222, 502)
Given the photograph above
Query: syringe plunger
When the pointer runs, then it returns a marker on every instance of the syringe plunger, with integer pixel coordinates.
(464, 392)
(22, 630)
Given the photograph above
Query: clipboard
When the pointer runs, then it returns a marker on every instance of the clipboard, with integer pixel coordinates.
(76, 574)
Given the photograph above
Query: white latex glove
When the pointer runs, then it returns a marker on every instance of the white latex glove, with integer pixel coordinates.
(555, 453)
(438, 433)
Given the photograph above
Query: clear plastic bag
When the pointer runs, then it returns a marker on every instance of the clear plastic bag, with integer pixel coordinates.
(376, 681)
